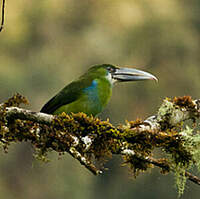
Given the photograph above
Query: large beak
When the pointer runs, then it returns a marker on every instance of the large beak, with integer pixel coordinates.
(131, 74)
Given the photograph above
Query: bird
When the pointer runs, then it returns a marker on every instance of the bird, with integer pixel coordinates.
(91, 92)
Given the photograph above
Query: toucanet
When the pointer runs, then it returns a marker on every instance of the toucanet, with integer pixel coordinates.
(91, 92)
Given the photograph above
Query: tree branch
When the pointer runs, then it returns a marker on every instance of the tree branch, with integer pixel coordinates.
(88, 138)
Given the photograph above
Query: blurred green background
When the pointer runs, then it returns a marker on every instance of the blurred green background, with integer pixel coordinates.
(46, 44)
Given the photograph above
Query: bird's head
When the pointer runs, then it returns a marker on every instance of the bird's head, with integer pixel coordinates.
(119, 74)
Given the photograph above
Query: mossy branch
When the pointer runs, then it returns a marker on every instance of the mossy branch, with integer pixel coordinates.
(89, 139)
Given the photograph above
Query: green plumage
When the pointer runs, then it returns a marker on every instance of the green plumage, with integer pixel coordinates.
(92, 91)
(76, 97)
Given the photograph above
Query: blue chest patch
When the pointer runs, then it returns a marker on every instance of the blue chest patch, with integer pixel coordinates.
(92, 91)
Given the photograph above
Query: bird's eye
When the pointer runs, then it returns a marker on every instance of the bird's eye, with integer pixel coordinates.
(110, 69)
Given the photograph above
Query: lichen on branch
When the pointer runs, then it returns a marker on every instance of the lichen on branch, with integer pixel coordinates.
(88, 139)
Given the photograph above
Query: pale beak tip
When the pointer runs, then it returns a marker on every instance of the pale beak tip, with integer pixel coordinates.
(155, 78)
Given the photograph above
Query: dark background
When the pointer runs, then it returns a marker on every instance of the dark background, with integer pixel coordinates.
(46, 44)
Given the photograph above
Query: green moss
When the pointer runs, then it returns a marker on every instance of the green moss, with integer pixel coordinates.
(180, 178)
(137, 164)
(166, 112)
(185, 101)
(183, 155)
(41, 155)
(165, 109)
(181, 146)
(16, 100)
(192, 144)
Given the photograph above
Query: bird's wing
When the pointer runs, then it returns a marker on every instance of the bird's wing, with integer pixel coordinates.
(68, 94)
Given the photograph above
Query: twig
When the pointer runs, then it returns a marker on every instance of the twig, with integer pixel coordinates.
(24, 114)
(161, 163)
(189, 175)
(192, 177)
(84, 161)
(174, 114)
(2, 15)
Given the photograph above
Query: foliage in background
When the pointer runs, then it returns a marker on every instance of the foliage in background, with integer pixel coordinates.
(48, 43)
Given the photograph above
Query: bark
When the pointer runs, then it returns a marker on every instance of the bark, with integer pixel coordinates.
(87, 138)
